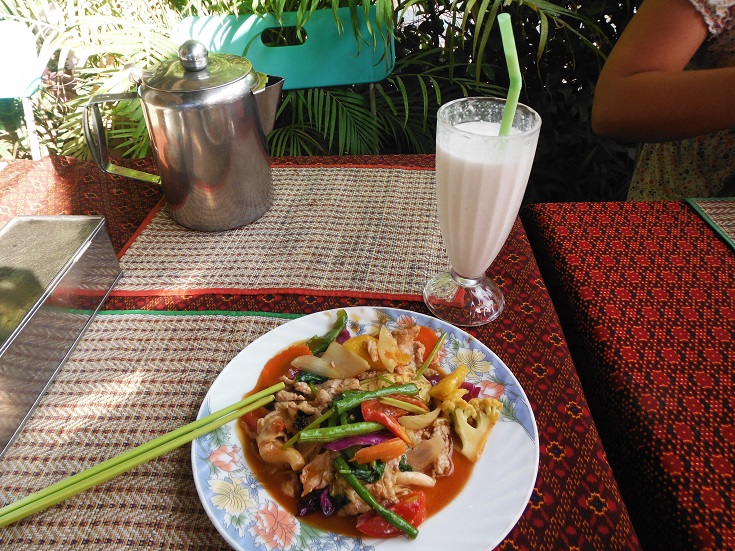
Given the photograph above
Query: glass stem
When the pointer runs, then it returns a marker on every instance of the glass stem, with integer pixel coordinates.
(465, 281)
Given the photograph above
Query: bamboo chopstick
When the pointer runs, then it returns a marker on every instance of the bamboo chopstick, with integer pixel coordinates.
(132, 458)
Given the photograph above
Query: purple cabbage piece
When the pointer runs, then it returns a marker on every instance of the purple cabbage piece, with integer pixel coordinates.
(473, 391)
(359, 440)
(325, 502)
(308, 504)
(318, 500)
(343, 336)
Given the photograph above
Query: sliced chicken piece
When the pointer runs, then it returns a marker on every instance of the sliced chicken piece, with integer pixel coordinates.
(271, 437)
(319, 473)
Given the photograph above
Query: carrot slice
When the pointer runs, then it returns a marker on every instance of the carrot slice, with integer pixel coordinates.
(385, 451)
(428, 337)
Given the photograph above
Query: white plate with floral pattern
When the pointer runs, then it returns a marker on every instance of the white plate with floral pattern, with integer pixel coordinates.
(481, 515)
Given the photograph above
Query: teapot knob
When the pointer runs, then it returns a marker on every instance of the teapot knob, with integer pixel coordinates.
(193, 55)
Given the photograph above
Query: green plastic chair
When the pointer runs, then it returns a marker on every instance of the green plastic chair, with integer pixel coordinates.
(21, 73)
(326, 58)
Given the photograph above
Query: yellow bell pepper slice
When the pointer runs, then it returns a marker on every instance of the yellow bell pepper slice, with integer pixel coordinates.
(450, 384)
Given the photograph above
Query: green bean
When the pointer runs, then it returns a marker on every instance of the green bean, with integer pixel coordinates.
(393, 518)
(329, 434)
(333, 419)
(431, 356)
(315, 423)
(346, 403)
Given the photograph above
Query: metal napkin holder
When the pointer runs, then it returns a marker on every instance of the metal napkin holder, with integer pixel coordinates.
(55, 274)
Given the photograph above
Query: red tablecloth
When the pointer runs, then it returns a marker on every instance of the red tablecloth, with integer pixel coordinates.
(646, 295)
(575, 503)
(64, 185)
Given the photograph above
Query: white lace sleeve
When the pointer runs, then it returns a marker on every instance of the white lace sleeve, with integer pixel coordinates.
(718, 14)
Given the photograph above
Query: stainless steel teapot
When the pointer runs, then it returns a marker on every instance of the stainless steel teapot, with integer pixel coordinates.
(207, 116)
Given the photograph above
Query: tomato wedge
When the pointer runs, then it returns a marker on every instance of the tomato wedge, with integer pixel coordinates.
(386, 415)
(250, 421)
(412, 508)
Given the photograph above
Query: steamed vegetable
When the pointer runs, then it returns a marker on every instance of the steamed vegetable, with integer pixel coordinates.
(449, 388)
(385, 451)
(317, 366)
(346, 361)
(318, 500)
(352, 400)
(417, 422)
(412, 508)
(434, 351)
(330, 434)
(473, 422)
(409, 403)
(318, 345)
(359, 345)
(315, 423)
(336, 363)
(389, 516)
(388, 352)
(374, 410)
(425, 452)
(358, 440)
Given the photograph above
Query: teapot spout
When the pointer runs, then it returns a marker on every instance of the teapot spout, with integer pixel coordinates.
(268, 99)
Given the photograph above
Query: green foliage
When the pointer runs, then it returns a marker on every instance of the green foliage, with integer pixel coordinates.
(445, 49)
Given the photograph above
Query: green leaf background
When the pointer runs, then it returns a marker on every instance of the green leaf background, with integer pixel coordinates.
(445, 49)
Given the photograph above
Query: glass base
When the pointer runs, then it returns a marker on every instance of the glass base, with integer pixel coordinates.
(462, 301)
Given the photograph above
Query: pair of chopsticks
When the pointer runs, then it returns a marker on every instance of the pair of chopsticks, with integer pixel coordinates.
(132, 458)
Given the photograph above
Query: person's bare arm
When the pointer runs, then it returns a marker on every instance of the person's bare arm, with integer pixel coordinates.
(644, 95)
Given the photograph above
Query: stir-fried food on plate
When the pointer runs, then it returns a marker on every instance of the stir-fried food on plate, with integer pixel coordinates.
(366, 426)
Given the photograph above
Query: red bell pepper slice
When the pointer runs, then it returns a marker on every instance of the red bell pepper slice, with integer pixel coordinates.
(250, 421)
(386, 415)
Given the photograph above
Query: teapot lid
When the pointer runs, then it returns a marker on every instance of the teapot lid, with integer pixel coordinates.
(196, 70)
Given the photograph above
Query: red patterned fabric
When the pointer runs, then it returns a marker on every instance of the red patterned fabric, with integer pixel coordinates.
(646, 294)
(575, 503)
(64, 185)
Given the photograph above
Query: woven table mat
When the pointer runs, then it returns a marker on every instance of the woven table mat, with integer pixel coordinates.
(307, 240)
(720, 214)
(114, 393)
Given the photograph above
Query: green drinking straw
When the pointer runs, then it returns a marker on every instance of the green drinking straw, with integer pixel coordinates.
(132, 458)
(514, 72)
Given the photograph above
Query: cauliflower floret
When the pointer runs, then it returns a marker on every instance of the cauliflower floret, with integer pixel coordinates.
(424, 389)
(473, 422)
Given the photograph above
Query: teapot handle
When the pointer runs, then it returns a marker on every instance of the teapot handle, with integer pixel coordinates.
(94, 133)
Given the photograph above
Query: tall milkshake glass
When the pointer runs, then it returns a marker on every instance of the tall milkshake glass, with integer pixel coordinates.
(480, 181)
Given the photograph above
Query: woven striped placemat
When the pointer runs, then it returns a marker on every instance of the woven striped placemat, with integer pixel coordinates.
(131, 378)
(719, 212)
(363, 230)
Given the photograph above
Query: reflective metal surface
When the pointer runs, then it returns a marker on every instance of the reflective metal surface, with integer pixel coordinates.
(207, 116)
(55, 272)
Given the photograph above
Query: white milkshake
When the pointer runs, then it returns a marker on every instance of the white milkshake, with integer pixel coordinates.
(480, 181)
(480, 186)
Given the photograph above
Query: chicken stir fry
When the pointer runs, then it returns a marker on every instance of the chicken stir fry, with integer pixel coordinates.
(367, 424)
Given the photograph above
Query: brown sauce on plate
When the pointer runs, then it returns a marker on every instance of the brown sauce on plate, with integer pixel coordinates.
(275, 477)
